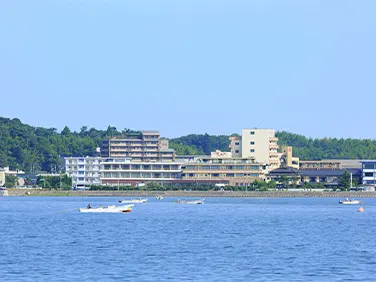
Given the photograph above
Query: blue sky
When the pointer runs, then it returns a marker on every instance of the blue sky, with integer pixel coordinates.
(183, 67)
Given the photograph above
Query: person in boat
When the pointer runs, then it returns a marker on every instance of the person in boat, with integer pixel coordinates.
(89, 206)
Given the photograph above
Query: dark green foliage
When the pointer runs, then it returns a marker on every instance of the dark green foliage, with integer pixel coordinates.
(344, 181)
(199, 144)
(10, 181)
(35, 149)
(303, 147)
(55, 182)
(328, 148)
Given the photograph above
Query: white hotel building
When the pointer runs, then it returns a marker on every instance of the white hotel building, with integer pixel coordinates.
(85, 171)
(369, 172)
(124, 172)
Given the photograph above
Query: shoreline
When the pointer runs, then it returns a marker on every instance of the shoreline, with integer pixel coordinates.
(196, 194)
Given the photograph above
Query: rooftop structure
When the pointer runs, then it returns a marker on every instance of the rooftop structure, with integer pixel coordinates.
(320, 164)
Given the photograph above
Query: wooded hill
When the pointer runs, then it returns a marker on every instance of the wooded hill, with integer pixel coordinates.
(37, 149)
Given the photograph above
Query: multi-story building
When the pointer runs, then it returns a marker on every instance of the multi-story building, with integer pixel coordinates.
(222, 167)
(260, 144)
(141, 146)
(84, 171)
(126, 172)
(369, 172)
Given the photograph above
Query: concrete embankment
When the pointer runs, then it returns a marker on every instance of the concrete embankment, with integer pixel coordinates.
(196, 194)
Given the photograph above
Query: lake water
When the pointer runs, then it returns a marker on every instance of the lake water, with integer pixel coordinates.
(225, 239)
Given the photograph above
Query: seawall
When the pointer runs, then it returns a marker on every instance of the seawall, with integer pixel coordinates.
(195, 194)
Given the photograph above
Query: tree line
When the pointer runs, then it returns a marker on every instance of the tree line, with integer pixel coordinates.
(36, 149)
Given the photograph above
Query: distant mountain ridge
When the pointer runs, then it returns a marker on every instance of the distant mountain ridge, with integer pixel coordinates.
(36, 149)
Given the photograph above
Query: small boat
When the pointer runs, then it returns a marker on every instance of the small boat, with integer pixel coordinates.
(195, 202)
(159, 197)
(127, 208)
(134, 201)
(349, 202)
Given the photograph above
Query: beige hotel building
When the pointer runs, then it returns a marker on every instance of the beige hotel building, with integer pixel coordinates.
(259, 144)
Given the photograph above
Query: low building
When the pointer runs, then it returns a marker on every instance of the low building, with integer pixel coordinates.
(84, 171)
(13, 172)
(2, 177)
(351, 164)
(288, 174)
(326, 177)
(123, 172)
(222, 168)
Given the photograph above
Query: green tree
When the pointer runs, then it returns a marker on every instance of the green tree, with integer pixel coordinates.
(272, 184)
(344, 181)
(284, 181)
(66, 131)
(10, 181)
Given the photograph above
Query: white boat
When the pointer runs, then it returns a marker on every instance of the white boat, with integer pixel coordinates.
(195, 202)
(159, 197)
(134, 201)
(127, 208)
(349, 202)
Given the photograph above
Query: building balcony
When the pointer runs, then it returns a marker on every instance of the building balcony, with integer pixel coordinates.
(273, 146)
(119, 149)
(136, 144)
(151, 145)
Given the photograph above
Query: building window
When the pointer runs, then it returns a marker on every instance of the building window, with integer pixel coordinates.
(252, 150)
(236, 143)
(236, 151)
(252, 142)
(368, 174)
(252, 133)
(369, 166)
